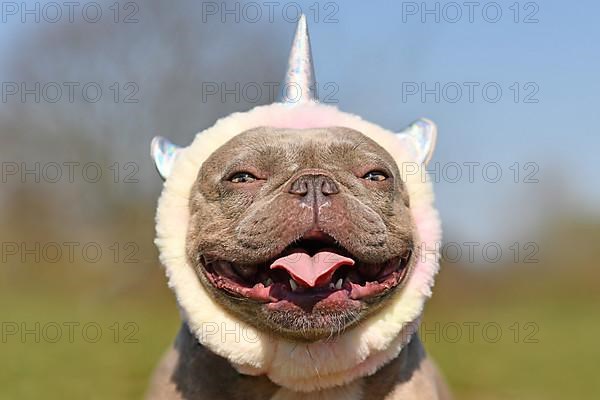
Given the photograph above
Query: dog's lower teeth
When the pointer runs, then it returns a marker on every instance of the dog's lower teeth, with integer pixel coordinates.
(331, 286)
(338, 284)
(268, 282)
(293, 285)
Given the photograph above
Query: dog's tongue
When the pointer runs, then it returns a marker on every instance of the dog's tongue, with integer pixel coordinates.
(311, 271)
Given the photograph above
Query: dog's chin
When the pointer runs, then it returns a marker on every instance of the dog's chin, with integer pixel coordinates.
(309, 310)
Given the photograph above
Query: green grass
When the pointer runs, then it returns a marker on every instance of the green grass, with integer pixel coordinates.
(554, 357)
(560, 364)
(115, 365)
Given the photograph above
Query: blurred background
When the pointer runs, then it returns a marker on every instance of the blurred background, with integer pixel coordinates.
(84, 308)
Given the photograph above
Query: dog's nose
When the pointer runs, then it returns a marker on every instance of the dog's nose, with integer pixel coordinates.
(314, 186)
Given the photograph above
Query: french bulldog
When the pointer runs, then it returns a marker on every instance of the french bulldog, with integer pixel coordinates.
(298, 245)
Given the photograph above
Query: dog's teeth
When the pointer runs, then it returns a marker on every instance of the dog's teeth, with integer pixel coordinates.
(293, 285)
(331, 285)
(268, 282)
(338, 284)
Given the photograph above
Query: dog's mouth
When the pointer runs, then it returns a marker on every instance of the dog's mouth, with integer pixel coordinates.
(310, 269)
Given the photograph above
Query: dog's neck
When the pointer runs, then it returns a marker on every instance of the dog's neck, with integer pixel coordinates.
(192, 361)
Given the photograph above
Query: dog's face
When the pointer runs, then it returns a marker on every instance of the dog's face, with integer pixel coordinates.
(301, 232)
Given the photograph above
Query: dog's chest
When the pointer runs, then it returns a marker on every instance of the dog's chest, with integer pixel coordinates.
(352, 391)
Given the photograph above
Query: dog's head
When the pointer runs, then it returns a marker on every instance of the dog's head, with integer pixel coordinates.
(301, 232)
(299, 224)
(291, 223)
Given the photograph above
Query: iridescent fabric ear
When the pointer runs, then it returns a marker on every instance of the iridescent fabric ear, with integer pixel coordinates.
(164, 154)
(420, 138)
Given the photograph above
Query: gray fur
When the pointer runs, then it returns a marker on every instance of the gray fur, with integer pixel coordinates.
(256, 223)
(251, 223)
(191, 372)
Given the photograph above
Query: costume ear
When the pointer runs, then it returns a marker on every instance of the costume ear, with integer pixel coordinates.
(164, 154)
(420, 139)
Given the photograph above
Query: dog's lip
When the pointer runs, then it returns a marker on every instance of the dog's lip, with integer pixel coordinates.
(349, 285)
(318, 234)
(362, 281)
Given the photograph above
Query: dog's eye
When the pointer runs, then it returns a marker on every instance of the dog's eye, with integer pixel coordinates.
(242, 177)
(377, 176)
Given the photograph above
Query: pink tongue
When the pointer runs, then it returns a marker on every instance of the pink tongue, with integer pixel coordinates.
(311, 271)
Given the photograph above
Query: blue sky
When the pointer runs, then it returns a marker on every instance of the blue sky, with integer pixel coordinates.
(376, 51)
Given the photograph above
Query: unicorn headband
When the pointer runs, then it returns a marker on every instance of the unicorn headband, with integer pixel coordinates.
(420, 136)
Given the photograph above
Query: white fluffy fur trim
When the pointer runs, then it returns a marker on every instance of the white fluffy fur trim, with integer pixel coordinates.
(298, 367)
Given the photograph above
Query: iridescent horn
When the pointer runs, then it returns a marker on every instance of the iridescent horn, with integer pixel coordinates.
(299, 85)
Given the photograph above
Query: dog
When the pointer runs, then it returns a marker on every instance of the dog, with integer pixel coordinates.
(299, 246)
